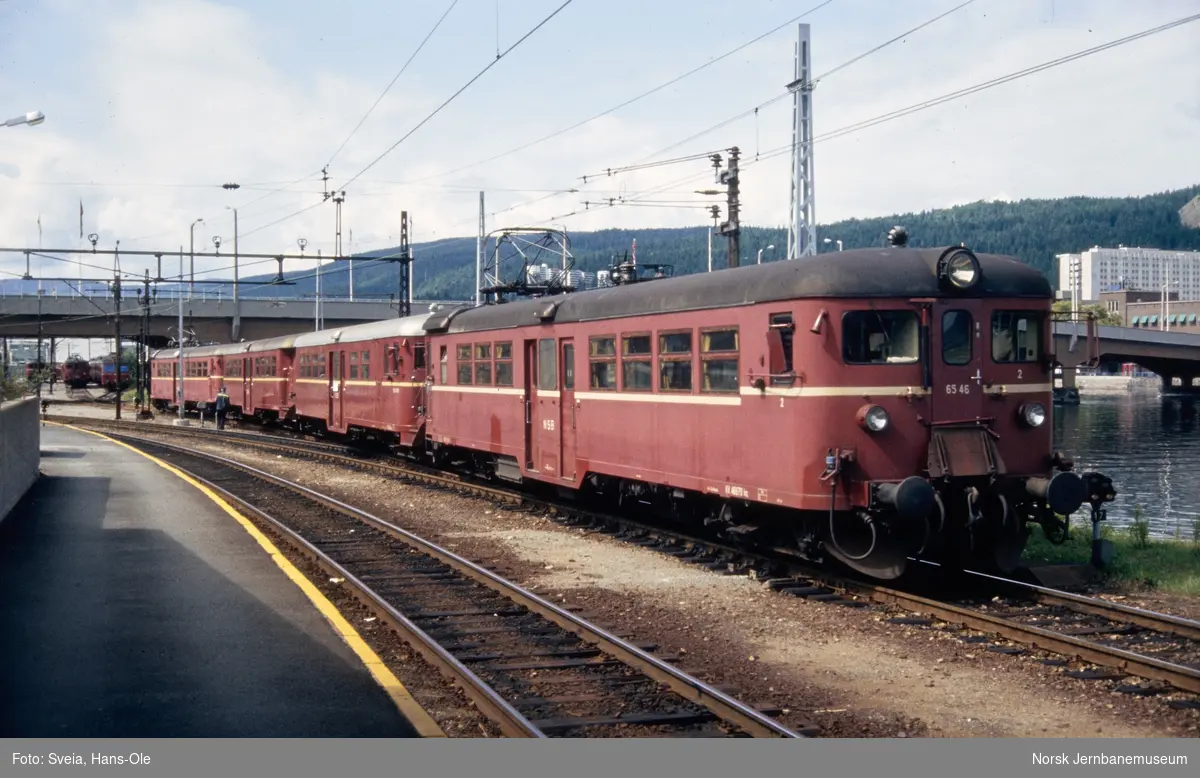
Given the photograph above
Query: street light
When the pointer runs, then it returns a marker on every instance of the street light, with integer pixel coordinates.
(760, 252)
(237, 312)
(32, 118)
(838, 242)
(192, 274)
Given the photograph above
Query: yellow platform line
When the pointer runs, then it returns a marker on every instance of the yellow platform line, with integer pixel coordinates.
(408, 707)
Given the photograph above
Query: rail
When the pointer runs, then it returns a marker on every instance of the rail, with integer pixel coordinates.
(824, 585)
(496, 704)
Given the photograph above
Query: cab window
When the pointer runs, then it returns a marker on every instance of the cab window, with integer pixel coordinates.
(1016, 336)
(956, 337)
(880, 337)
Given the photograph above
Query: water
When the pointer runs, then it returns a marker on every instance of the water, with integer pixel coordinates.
(1149, 445)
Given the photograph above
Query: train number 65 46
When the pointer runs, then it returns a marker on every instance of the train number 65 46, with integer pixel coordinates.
(958, 389)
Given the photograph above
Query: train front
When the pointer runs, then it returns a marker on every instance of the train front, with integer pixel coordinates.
(984, 468)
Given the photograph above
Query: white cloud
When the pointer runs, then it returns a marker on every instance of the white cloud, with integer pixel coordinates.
(199, 93)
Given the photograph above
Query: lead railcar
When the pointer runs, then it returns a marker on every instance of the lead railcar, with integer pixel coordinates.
(872, 405)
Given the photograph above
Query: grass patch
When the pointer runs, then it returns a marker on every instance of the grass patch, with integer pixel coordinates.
(1140, 562)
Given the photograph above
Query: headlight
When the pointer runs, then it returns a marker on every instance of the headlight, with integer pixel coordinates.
(959, 268)
(1033, 414)
(962, 270)
(873, 418)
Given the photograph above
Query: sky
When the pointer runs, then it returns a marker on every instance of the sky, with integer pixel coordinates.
(151, 105)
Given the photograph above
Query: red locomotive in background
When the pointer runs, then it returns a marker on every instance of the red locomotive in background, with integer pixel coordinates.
(76, 372)
(870, 405)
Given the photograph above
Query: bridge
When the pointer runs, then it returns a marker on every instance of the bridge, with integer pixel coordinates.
(1175, 356)
(208, 317)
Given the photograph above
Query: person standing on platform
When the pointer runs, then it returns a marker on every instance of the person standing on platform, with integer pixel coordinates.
(222, 407)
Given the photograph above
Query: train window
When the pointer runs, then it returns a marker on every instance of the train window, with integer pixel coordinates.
(675, 361)
(718, 373)
(880, 337)
(463, 360)
(483, 373)
(504, 368)
(719, 340)
(675, 375)
(602, 368)
(547, 364)
(635, 375)
(636, 370)
(364, 368)
(674, 343)
(1016, 336)
(779, 346)
(636, 345)
(568, 358)
(354, 364)
(418, 357)
(483, 350)
(603, 346)
(444, 360)
(273, 363)
(957, 329)
(320, 366)
(392, 359)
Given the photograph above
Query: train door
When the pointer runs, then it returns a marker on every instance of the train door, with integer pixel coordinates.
(957, 361)
(176, 383)
(531, 384)
(335, 389)
(547, 427)
(566, 420)
(247, 385)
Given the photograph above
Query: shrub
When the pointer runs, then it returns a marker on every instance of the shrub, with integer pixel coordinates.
(1139, 529)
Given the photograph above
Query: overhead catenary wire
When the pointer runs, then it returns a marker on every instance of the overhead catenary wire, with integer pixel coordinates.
(631, 100)
(945, 98)
(754, 111)
(392, 82)
(461, 89)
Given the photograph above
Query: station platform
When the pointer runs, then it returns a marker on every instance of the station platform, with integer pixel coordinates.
(132, 605)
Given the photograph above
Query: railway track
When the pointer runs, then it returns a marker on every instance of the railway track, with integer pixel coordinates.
(1117, 640)
(532, 667)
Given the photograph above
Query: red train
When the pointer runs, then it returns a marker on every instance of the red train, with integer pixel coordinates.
(869, 406)
(76, 372)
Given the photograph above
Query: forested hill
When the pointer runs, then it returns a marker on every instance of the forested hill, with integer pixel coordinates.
(1033, 230)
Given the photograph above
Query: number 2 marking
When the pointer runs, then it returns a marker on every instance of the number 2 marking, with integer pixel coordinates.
(1020, 373)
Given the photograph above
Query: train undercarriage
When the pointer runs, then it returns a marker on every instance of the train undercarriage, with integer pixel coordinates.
(979, 523)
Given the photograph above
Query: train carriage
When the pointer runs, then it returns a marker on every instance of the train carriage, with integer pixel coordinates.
(367, 380)
(874, 404)
(868, 406)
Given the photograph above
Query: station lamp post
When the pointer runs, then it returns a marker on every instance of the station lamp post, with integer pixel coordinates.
(192, 252)
(838, 242)
(760, 252)
(32, 118)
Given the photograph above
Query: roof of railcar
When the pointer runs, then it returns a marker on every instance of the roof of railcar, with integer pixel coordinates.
(861, 273)
(407, 327)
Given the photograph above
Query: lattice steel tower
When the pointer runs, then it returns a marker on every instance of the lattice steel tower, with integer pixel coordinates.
(802, 230)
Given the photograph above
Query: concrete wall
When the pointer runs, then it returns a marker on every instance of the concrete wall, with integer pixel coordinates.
(20, 450)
